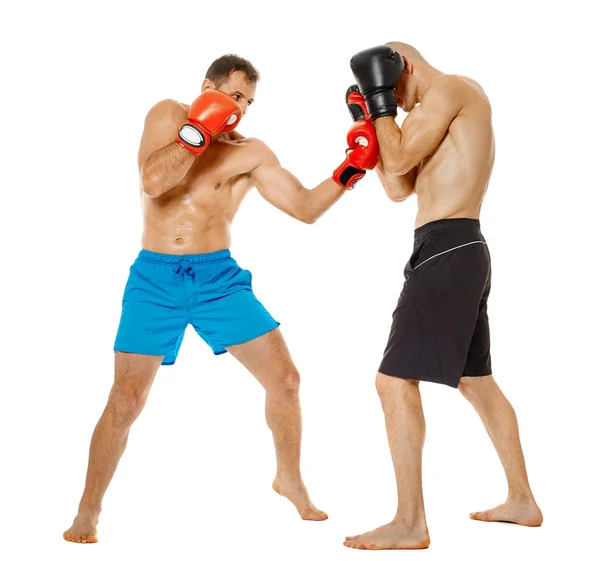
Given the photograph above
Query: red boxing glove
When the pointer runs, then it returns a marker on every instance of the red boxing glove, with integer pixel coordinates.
(356, 104)
(212, 112)
(358, 110)
(362, 154)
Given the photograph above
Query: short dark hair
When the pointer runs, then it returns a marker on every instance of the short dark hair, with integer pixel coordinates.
(226, 65)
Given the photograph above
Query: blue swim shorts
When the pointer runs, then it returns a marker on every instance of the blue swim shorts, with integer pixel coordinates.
(165, 293)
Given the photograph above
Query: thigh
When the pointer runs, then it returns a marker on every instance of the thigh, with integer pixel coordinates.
(479, 360)
(267, 358)
(450, 301)
(153, 316)
(135, 373)
(233, 317)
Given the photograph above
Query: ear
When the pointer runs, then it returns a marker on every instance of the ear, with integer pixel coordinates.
(408, 66)
(208, 85)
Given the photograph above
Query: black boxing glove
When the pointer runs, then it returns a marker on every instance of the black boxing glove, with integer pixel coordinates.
(378, 72)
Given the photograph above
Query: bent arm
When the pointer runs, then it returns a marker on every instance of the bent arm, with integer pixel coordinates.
(162, 162)
(284, 191)
(404, 148)
(397, 187)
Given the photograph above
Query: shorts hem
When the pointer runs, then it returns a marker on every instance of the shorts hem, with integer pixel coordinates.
(170, 363)
(247, 339)
(476, 375)
(452, 384)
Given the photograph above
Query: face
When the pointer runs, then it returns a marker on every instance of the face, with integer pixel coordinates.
(406, 94)
(240, 89)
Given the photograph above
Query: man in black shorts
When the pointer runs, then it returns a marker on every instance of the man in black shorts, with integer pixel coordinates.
(444, 153)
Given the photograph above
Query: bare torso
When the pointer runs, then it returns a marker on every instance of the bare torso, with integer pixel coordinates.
(452, 181)
(195, 216)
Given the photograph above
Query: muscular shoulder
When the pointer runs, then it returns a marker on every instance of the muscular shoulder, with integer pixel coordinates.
(263, 154)
(167, 110)
(461, 90)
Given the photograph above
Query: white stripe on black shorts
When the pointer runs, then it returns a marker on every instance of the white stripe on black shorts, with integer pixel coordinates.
(440, 329)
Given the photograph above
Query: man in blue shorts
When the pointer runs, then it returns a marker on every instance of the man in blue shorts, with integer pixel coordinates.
(195, 171)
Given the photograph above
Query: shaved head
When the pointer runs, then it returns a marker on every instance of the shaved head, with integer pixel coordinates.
(407, 51)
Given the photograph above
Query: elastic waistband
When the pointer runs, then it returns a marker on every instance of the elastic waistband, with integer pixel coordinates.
(193, 259)
(447, 224)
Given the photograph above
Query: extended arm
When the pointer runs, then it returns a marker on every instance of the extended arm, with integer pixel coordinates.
(284, 191)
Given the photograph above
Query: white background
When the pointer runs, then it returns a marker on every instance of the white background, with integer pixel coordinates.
(194, 482)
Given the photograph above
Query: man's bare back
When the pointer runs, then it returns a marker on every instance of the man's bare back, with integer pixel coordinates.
(452, 181)
(444, 151)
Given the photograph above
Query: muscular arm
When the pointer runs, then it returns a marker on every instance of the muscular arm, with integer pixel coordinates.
(397, 187)
(162, 162)
(423, 129)
(279, 187)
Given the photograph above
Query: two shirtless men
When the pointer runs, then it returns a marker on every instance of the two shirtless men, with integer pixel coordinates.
(195, 170)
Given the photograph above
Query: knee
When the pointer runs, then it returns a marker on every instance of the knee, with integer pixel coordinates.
(288, 384)
(400, 386)
(126, 403)
(465, 387)
(475, 388)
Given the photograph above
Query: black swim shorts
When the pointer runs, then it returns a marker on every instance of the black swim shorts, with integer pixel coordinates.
(440, 329)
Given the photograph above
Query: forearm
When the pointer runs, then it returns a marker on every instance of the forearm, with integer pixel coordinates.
(165, 169)
(391, 150)
(397, 187)
(318, 200)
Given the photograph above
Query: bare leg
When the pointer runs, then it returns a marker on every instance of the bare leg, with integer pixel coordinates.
(405, 424)
(269, 360)
(134, 375)
(500, 421)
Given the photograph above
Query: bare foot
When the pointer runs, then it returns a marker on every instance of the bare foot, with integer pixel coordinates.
(525, 512)
(394, 535)
(298, 495)
(83, 529)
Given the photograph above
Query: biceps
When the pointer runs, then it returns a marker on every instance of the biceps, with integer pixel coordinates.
(421, 136)
(279, 187)
(156, 136)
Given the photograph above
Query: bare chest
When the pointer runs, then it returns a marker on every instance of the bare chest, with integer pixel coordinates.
(221, 173)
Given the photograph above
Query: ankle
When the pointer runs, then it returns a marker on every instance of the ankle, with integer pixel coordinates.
(89, 510)
(411, 524)
(519, 495)
(289, 477)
